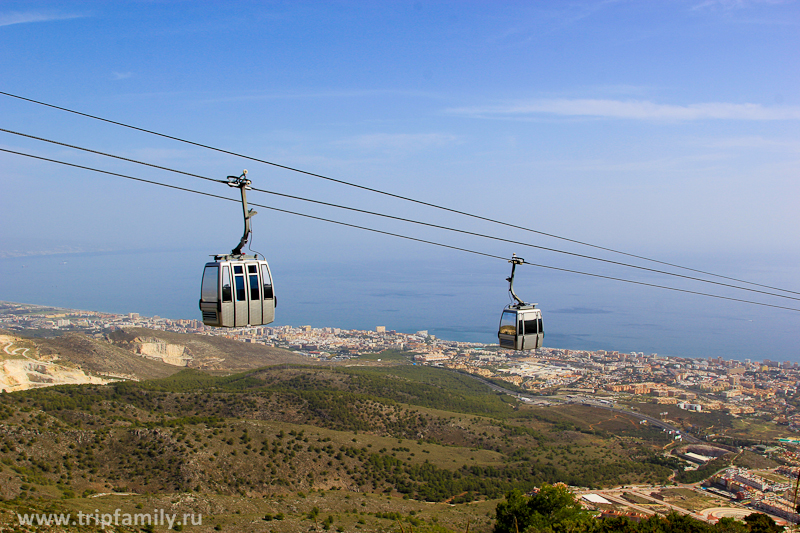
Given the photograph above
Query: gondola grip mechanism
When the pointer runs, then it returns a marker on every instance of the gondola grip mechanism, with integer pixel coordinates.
(514, 262)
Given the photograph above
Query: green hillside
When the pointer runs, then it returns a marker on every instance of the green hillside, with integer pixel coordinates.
(406, 433)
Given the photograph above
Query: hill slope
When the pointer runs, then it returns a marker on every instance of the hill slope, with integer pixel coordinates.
(201, 351)
(302, 428)
(73, 358)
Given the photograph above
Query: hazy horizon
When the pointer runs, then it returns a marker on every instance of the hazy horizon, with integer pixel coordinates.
(429, 296)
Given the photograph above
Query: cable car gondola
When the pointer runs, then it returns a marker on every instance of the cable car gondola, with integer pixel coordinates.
(521, 323)
(237, 289)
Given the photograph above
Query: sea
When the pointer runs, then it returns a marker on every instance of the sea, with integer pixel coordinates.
(443, 296)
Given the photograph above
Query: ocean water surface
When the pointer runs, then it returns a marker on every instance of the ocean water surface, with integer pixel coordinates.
(446, 298)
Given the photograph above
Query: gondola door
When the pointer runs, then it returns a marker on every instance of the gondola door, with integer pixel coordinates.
(254, 294)
(507, 334)
(226, 297)
(240, 303)
(268, 295)
(209, 297)
(529, 330)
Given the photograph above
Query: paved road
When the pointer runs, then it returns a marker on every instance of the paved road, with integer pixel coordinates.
(621, 501)
(691, 439)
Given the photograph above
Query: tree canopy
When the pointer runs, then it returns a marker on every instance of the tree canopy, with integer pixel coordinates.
(554, 509)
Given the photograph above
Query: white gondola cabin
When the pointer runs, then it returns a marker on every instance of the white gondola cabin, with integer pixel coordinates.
(237, 289)
(237, 292)
(521, 328)
(521, 323)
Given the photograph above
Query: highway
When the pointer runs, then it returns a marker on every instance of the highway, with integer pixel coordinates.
(691, 439)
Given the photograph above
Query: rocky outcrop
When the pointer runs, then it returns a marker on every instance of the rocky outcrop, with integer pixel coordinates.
(172, 354)
(20, 369)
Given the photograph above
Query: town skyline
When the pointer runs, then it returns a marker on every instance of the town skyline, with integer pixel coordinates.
(712, 384)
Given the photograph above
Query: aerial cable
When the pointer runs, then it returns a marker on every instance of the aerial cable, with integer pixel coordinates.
(377, 191)
(402, 219)
(74, 165)
(109, 155)
(415, 239)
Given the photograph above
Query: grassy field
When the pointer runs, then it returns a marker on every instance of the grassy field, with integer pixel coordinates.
(772, 476)
(692, 500)
(757, 429)
(282, 513)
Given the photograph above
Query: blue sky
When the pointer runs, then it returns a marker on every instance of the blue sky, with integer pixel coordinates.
(664, 129)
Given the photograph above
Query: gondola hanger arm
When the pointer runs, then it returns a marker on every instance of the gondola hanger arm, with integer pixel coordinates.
(514, 262)
(242, 183)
